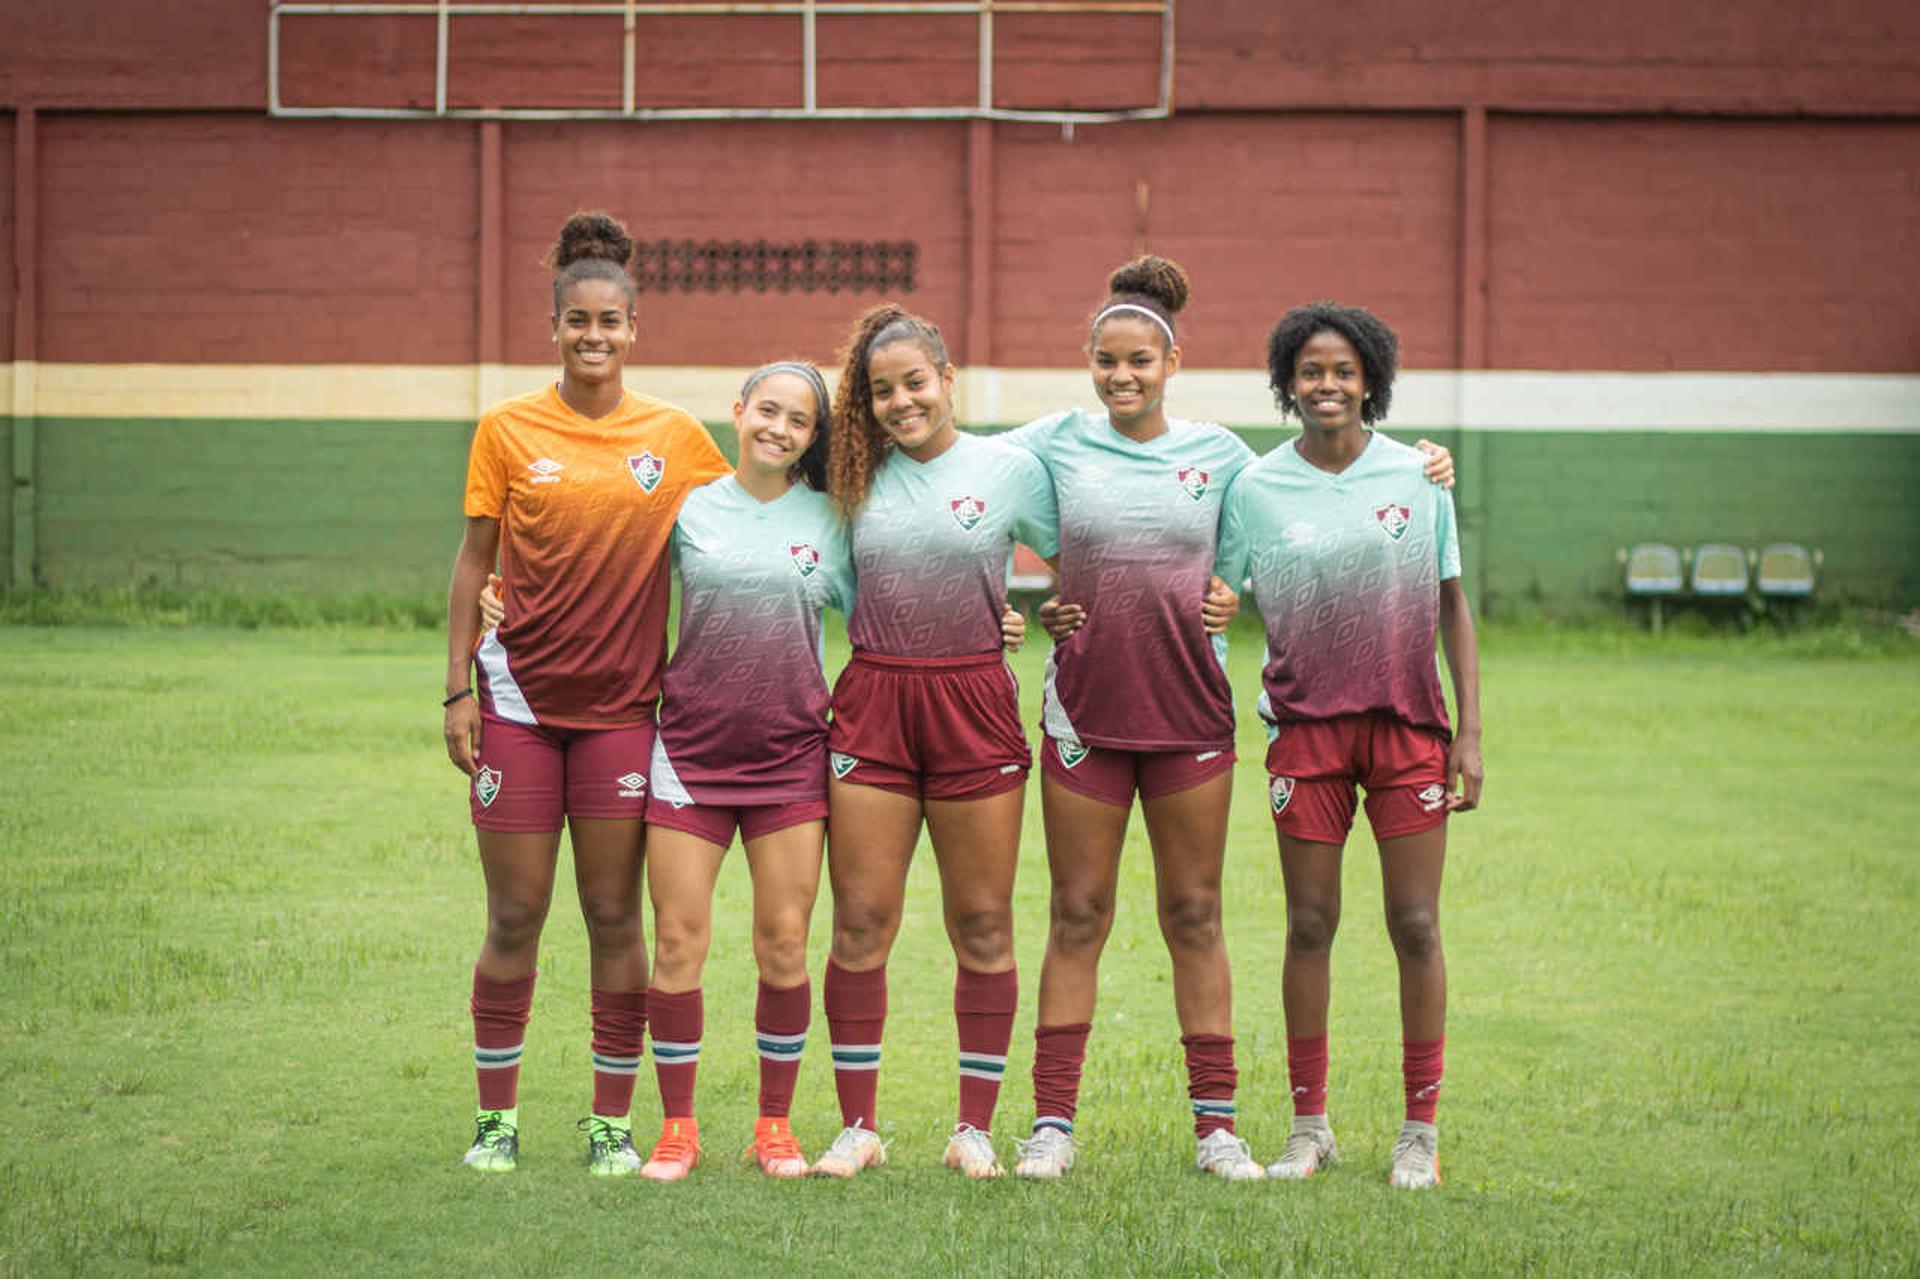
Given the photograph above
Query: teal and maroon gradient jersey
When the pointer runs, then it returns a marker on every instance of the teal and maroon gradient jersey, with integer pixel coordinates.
(933, 543)
(743, 705)
(1346, 571)
(1137, 531)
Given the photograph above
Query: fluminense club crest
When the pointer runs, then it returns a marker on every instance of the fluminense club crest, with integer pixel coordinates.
(647, 470)
(968, 511)
(842, 764)
(1193, 481)
(805, 558)
(1071, 753)
(1394, 519)
(1279, 793)
(486, 785)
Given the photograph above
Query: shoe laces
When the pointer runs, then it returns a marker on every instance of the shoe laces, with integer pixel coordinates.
(1303, 1147)
(602, 1137)
(677, 1144)
(976, 1143)
(776, 1141)
(492, 1129)
(1044, 1144)
(1416, 1143)
(851, 1140)
(1222, 1147)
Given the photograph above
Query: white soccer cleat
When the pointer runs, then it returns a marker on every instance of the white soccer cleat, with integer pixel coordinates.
(1416, 1157)
(1225, 1155)
(970, 1153)
(1309, 1149)
(853, 1150)
(1046, 1155)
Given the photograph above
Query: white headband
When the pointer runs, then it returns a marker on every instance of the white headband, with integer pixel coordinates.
(1134, 306)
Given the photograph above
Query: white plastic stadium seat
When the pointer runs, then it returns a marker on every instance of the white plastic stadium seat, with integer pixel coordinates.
(1653, 568)
(1787, 569)
(1720, 570)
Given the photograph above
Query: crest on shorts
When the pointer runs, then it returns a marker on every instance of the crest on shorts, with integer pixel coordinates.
(805, 558)
(968, 511)
(647, 470)
(1279, 793)
(1071, 753)
(486, 785)
(842, 764)
(1193, 481)
(1394, 519)
(632, 785)
(1432, 797)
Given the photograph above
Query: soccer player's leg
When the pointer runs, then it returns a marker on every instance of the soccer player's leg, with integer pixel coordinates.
(785, 864)
(871, 832)
(1187, 830)
(977, 844)
(606, 867)
(1085, 812)
(1310, 869)
(516, 807)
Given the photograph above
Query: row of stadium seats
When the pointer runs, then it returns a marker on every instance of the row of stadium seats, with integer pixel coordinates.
(1718, 571)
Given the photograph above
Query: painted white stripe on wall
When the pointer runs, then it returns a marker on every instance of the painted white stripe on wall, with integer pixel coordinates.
(1423, 398)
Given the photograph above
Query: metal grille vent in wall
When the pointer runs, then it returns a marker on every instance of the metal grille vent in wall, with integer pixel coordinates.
(762, 266)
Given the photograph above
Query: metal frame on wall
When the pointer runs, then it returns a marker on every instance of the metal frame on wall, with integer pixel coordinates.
(809, 12)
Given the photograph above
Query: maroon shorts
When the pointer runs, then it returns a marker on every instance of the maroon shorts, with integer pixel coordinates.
(531, 778)
(1313, 767)
(932, 728)
(1112, 776)
(716, 823)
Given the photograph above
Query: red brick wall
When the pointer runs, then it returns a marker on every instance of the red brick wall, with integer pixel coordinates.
(1264, 212)
(1704, 244)
(232, 240)
(108, 53)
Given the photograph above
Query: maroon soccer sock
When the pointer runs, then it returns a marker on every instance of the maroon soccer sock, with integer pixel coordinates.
(1058, 1052)
(1422, 1062)
(500, 1011)
(1211, 1079)
(856, 1004)
(619, 1030)
(780, 1019)
(1307, 1070)
(983, 1005)
(678, 1021)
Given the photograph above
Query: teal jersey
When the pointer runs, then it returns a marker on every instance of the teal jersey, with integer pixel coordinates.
(933, 544)
(743, 702)
(1138, 523)
(1346, 571)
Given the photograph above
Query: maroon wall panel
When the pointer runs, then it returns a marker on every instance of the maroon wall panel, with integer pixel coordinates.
(239, 240)
(1770, 55)
(1707, 244)
(8, 280)
(1264, 213)
(364, 62)
(748, 181)
(109, 53)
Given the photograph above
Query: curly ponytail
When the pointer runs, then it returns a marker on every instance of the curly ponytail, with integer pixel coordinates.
(858, 443)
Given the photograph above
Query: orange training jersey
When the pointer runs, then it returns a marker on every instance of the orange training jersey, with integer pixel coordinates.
(585, 508)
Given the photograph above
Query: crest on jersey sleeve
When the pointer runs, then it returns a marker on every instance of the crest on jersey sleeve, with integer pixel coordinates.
(1193, 481)
(1394, 519)
(647, 469)
(1279, 794)
(805, 558)
(486, 785)
(968, 511)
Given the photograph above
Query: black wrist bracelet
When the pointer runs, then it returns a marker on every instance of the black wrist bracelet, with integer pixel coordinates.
(465, 692)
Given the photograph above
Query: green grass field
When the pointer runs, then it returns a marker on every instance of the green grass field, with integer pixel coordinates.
(240, 906)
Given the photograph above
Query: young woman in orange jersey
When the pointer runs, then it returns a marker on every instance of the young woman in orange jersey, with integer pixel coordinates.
(573, 490)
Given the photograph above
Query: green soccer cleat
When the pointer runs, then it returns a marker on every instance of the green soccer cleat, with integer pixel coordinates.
(610, 1151)
(496, 1141)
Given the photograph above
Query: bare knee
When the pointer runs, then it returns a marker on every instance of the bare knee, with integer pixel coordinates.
(863, 933)
(612, 923)
(1081, 922)
(1192, 921)
(983, 938)
(514, 924)
(1415, 931)
(1310, 927)
(780, 950)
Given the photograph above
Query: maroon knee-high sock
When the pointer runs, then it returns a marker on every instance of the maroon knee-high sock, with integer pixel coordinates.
(983, 1005)
(1058, 1052)
(1211, 1079)
(1422, 1062)
(678, 1021)
(780, 1019)
(856, 1004)
(619, 1031)
(1307, 1071)
(500, 1011)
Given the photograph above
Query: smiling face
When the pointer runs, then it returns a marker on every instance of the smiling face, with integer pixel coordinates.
(912, 399)
(1131, 362)
(1329, 382)
(594, 330)
(776, 423)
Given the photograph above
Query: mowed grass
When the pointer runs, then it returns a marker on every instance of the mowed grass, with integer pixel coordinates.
(239, 906)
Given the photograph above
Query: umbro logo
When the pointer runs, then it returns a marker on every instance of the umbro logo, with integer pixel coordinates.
(1432, 797)
(1204, 756)
(546, 471)
(632, 785)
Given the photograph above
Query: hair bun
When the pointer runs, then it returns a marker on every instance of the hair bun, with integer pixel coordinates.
(1152, 277)
(592, 235)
